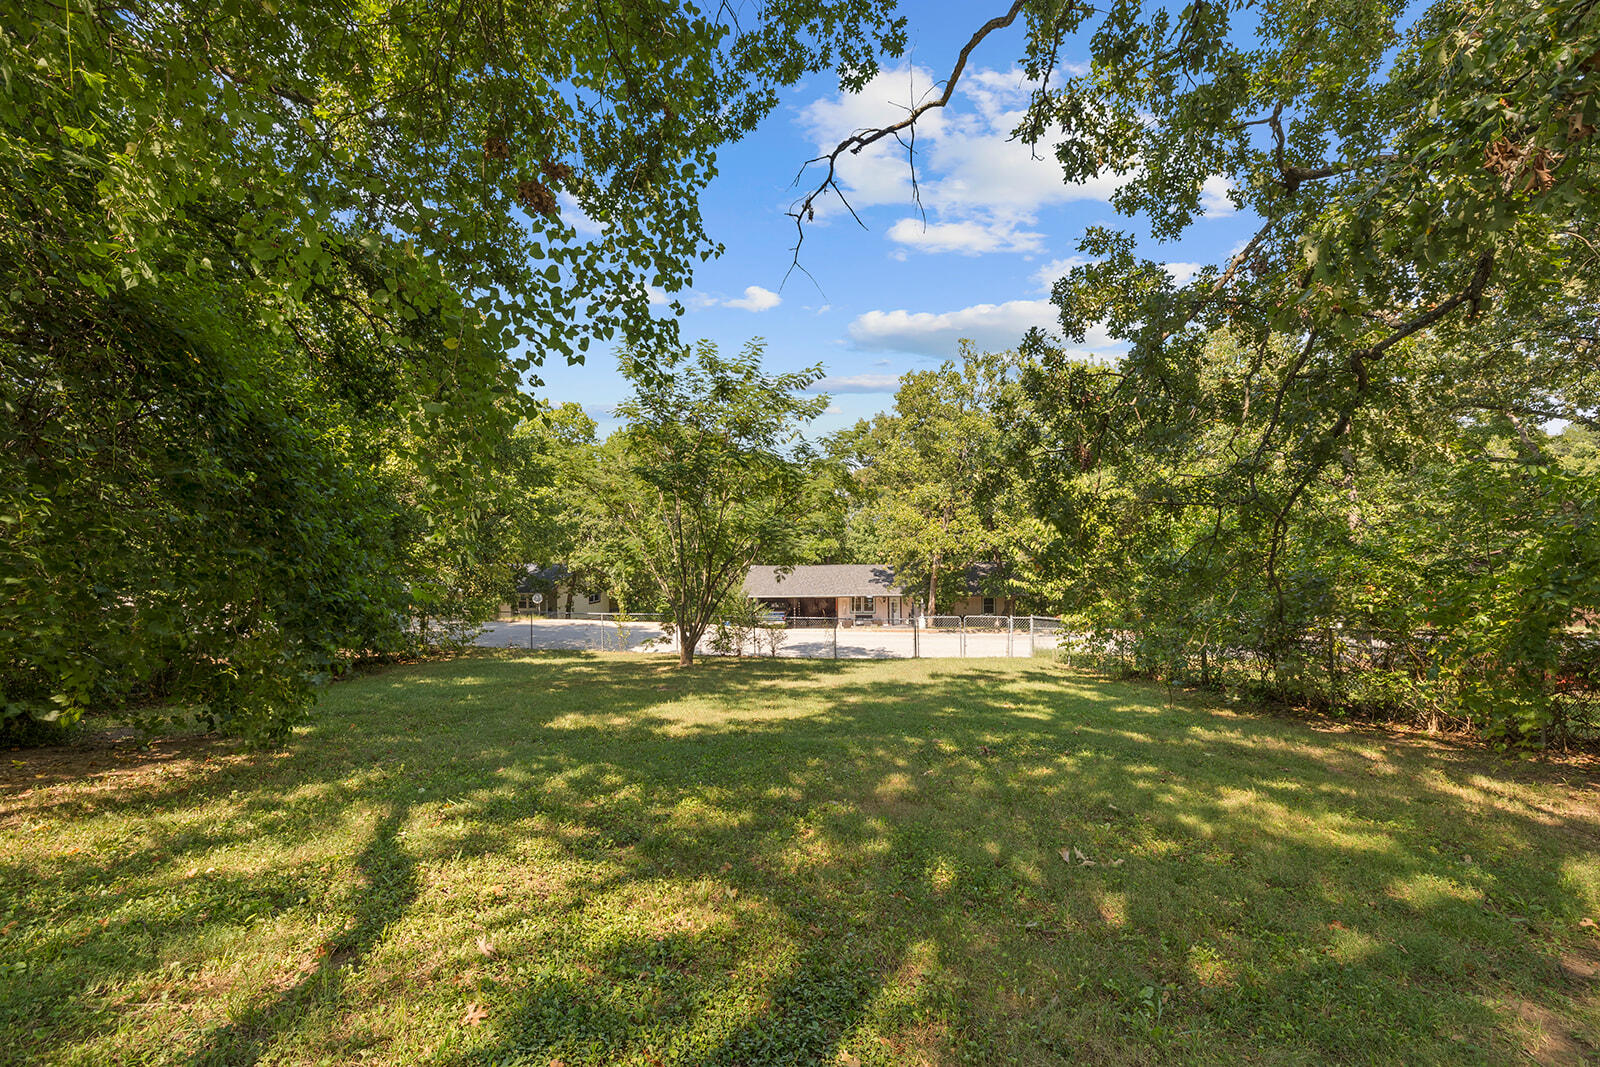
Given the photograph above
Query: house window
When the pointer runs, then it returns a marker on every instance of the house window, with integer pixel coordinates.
(594, 598)
(988, 605)
(861, 603)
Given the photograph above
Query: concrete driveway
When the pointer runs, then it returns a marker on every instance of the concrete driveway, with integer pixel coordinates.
(575, 634)
(855, 642)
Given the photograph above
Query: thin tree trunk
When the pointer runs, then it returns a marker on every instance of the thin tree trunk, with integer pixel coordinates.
(1353, 513)
(686, 645)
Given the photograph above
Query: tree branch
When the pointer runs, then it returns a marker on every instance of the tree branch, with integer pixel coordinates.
(804, 210)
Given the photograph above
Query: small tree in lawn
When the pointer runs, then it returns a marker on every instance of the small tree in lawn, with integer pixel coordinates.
(708, 475)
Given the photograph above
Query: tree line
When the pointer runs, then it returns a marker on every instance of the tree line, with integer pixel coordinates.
(1445, 570)
(276, 281)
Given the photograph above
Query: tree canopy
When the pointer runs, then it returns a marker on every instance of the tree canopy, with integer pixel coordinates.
(707, 476)
(274, 279)
(1346, 426)
(1413, 170)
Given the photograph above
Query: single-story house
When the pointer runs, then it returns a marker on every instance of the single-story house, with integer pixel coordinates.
(557, 595)
(975, 599)
(859, 593)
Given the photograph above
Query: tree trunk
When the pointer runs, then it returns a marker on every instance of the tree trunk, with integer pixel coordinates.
(686, 645)
(933, 585)
(1352, 516)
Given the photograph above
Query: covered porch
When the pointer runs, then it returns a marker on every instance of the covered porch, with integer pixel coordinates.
(804, 607)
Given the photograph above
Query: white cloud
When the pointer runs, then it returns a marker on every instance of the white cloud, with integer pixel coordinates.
(1214, 198)
(970, 237)
(995, 327)
(857, 383)
(573, 215)
(833, 409)
(1047, 275)
(657, 295)
(755, 299)
(1182, 272)
(982, 190)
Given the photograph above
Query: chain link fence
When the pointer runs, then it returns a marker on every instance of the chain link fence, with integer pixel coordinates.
(1424, 678)
(793, 637)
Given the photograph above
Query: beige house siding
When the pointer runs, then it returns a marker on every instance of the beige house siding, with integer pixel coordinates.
(556, 603)
(881, 610)
(973, 605)
(580, 603)
(874, 596)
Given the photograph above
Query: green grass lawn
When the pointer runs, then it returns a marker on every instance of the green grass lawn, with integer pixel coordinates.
(581, 859)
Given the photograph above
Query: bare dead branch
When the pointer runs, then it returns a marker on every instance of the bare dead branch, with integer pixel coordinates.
(804, 210)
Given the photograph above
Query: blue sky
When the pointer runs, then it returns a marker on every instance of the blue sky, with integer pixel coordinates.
(896, 297)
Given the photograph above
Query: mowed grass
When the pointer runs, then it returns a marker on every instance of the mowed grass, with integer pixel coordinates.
(587, 859)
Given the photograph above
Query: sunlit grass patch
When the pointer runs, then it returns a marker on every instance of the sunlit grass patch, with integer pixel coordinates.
(601, 859)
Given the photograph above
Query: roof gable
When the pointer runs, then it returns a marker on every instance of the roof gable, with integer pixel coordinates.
(827, 579)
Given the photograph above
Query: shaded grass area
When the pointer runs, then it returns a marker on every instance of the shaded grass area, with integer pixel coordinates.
(585, 859)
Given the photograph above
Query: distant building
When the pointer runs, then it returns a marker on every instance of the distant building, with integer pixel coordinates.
(860, 593)
(557, 595)
(854, 593)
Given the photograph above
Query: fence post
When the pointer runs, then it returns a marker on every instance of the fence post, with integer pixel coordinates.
(961, 629)
(1033, 646)
(1011, 624)
(916, 640)
(836, 637)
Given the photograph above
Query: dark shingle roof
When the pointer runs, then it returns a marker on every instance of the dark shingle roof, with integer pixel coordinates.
(829, 579)
(983, 578)
(537, 579)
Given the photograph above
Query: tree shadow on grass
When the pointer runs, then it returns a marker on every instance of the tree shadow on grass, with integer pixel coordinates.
(391, 886)
(1236, 830)
(825, 854)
